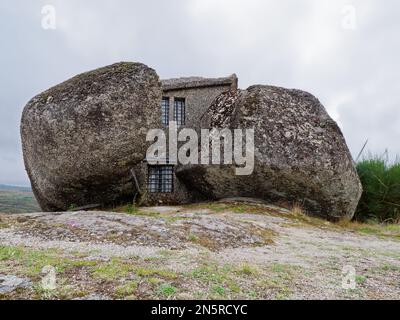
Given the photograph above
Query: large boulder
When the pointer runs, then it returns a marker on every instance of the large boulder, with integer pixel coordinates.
(300, 153)
(81, 137)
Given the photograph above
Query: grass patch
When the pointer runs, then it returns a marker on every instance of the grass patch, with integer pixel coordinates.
(373, 228)
(210, 274)
(219, 290)
(30, 262)
(285, 271)
(298, 215)
(132, 209)
(112, 270)
(247, 270)
(151, 272)
(154, 280)
(360, 279)
(127, 289)
(284, 293)
(281, 268)
(166, 290)
(136, 211)
(278, 286)
(390, 267)
(193, 238)
(280, 279)
(214, 206)
(214, 276)
(370, 227)
(27, 262)
(219, 207)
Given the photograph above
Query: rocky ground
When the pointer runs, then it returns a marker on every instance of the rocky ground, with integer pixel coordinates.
(224, 250)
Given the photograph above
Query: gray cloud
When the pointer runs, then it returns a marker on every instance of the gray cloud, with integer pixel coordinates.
(290, 43)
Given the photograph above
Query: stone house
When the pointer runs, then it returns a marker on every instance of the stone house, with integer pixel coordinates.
(84, 143)
(184, 100)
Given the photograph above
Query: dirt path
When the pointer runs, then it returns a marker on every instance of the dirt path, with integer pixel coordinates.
(205, 251)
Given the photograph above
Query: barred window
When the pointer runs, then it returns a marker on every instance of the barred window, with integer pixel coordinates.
(165, 111)
(161, 179)
(179, 111)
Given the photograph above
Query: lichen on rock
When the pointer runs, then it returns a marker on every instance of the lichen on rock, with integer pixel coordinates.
(81, 137)
(300, 153)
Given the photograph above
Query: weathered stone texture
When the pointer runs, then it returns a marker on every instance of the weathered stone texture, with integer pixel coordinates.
(300, 153)
(81, 137)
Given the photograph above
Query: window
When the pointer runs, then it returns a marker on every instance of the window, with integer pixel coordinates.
(179, 111)
(165, 111)
(161, 179)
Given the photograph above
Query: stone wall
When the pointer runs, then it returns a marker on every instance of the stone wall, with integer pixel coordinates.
(197, 101)
(199, 93)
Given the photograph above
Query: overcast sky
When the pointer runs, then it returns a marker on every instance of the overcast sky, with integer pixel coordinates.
(344, 52)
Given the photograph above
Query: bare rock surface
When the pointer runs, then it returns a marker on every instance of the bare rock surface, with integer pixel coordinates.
(81, 137)
(300, 153)
(9, 283)
(248, 250)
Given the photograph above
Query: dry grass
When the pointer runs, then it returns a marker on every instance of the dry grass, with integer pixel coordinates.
(297, 264)
(380, 230)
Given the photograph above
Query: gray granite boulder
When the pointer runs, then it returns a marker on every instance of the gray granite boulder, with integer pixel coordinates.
(81, 137)
(300, 153)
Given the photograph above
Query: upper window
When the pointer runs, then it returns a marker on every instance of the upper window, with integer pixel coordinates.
(165, 111)
(161, 179)
(179, 111)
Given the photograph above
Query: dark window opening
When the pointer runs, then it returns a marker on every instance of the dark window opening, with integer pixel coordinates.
(161, 179)
(179, 111)
(165, 111)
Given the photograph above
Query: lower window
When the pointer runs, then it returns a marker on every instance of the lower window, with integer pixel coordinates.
(161, 179)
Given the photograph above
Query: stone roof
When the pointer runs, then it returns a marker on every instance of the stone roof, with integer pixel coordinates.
(198, 82)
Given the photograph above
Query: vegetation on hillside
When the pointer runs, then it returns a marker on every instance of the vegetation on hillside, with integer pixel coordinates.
(17, 200)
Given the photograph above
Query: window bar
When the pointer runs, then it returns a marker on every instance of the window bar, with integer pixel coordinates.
(165, 111)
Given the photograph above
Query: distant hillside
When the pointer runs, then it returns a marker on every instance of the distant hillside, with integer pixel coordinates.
(15, 188)
(15, 199)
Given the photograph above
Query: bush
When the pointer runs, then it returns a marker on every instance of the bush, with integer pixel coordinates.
(380, 200)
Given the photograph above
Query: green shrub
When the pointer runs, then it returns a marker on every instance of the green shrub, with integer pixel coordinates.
(380, 200)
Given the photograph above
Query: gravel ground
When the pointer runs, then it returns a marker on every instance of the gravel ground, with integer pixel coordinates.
(207, 251)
